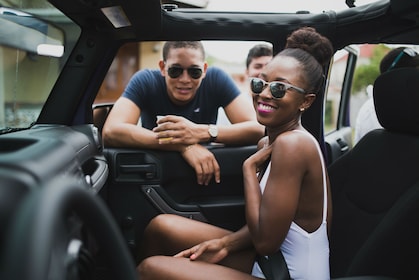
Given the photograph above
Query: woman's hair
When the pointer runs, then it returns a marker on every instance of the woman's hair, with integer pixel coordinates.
(197, 45)
(313, 51)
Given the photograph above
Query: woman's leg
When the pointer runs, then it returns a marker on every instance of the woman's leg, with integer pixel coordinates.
(170, 268)
(169, 234)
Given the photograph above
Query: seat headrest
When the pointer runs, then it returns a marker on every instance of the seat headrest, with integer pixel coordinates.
(396, 100)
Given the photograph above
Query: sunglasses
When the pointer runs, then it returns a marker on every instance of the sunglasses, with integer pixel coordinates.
(407, 51)
(175, 71)
(278, 89)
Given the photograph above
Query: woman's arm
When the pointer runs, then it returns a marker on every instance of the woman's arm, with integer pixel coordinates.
(216, 250)
(269, 215)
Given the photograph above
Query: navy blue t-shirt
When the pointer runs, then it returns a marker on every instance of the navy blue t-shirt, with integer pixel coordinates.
(147, 89)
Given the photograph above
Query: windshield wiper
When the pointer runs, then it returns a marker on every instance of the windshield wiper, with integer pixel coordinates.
(14, 129)
(11, 129)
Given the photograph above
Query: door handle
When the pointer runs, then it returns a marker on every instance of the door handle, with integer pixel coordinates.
(149, 170)
(343, 145)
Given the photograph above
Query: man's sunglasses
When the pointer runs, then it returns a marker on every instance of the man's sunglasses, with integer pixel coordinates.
(175, 71)
(278, 89)
(407, 51)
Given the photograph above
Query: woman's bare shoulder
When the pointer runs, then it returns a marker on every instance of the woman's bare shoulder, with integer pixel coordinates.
(293, 144)
(293, 138)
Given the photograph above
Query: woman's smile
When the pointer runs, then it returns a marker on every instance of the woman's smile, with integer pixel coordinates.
(265, 108)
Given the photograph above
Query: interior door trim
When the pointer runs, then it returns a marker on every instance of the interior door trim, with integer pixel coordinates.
(164, 206)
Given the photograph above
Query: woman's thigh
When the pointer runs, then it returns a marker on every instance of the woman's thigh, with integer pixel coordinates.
(168, 234)
(163, 267)
(182, 231)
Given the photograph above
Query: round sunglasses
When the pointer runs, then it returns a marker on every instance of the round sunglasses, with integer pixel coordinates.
(277, 88)
(175, 72)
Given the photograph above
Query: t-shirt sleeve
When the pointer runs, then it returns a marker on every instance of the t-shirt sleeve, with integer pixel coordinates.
(225, 87)
(147, 89)
(140, 86)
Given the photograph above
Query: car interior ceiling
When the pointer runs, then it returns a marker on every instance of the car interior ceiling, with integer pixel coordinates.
(164, 25)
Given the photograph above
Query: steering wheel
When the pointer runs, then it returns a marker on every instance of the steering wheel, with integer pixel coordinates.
(38, 246)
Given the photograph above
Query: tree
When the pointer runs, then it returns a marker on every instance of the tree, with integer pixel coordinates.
(367, 73)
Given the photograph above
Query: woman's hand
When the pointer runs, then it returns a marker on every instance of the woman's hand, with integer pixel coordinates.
(257, 160)
(211, 251)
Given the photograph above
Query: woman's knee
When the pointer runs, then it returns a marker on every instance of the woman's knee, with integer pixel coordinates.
(160, 223)
(147, 267)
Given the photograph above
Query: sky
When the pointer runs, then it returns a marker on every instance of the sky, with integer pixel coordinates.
(237, 51)
(228, 51)
(281, 5)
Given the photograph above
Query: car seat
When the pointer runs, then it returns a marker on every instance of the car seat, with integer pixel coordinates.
(375, 188)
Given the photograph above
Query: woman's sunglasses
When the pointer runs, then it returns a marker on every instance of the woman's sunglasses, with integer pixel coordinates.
(407, 51)
(278, 89)
(175, 71)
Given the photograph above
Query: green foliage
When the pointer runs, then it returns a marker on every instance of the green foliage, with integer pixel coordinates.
(366, 74)
(328, 119)
(210, 60)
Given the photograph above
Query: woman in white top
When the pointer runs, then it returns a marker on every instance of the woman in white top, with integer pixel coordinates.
(286, 187)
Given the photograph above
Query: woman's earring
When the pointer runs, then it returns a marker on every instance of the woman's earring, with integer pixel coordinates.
(302, 109)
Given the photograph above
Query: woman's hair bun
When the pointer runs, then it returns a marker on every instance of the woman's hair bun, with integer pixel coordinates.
(309, 40)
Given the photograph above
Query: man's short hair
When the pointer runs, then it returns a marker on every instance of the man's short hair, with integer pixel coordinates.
(182, 44)
(258, 51)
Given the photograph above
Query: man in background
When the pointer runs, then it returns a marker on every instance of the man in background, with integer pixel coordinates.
(257, 57)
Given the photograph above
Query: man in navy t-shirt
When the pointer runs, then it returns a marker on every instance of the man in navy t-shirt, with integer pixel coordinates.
(148, 91)
(187, 94)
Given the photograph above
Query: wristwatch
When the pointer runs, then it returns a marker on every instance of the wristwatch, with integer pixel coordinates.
(213, 132)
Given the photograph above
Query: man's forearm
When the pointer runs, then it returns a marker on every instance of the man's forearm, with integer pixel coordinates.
(244, 133)
(133, 136)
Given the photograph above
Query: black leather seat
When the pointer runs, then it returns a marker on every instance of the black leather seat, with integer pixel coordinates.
(375, 188)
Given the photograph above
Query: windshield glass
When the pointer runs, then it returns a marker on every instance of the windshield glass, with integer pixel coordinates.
(34, 46)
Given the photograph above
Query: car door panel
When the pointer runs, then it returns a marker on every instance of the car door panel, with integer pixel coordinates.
(166, 176)
(338, 143)
(144, 183)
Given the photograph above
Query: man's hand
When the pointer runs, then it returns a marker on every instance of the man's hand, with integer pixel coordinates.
(175, 130)
(178, 130)
(204, 163)
(212, 251)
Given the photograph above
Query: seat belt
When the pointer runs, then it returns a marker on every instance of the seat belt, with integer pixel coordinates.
(274, 266)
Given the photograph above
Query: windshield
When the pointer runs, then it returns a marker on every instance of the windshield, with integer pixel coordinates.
(34, 47)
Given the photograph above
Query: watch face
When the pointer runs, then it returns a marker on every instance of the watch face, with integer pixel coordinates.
(213, 131)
